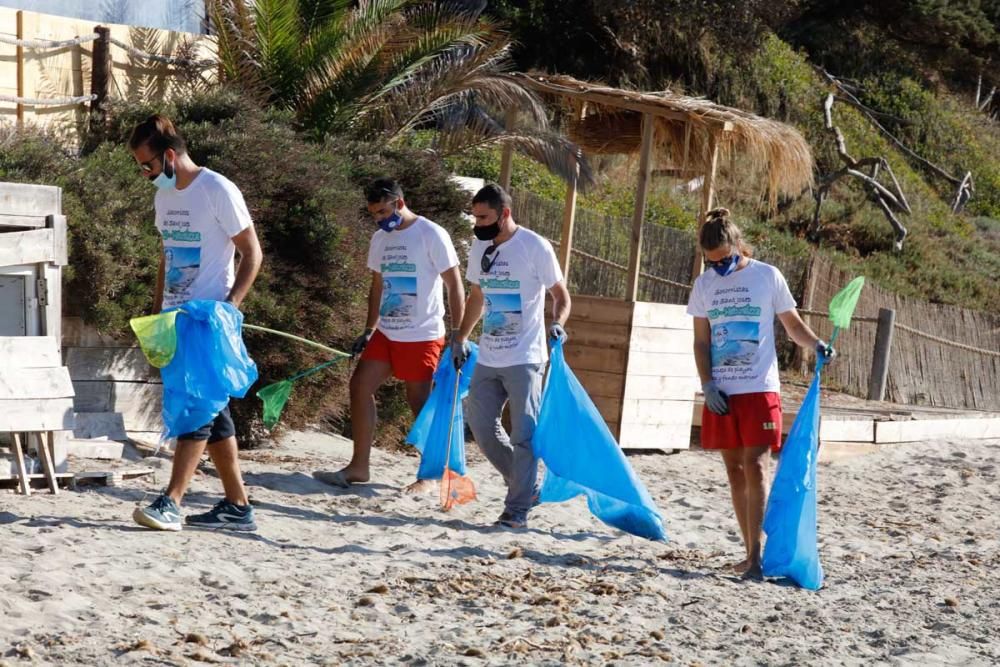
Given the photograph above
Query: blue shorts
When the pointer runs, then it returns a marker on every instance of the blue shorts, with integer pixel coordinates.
(220, 428)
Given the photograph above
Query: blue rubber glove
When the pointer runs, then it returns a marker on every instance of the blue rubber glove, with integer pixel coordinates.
(715, 399)
(825, 351)
(557, 333)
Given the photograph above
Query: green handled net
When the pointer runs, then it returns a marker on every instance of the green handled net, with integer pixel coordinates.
(157, 336)
(275, 396)
(844, 302)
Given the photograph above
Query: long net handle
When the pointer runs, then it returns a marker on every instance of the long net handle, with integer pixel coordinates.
(305, 341)
(445, 477)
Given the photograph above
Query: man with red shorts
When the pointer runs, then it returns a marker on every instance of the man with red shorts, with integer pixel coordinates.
(734, 305)
(410, 257)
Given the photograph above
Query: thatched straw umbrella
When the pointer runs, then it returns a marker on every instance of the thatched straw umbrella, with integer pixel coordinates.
(691, 134)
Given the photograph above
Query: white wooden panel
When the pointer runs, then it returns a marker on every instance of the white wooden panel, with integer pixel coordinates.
(928, 429)
(21, 221)
(35, 383)
(27, 199)
(846, 430)
(60, 251)
(109, 363)
(140, 404)
(656, 412)
(597, 383)
(663, 436)
(661, 388)
(663, 364)
(678, 341)
(29, 247)
(42, 414)
(661, 316)
(29, 352)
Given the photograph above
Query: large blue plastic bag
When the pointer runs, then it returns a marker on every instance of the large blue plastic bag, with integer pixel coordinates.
(210, 365)
(429, 433)
(791, 549)
(582, 457)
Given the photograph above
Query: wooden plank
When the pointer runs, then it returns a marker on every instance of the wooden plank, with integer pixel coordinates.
(77, 334)
(659, 387)
(22, 221)
(45, 447)
(592, 334)
(598, 309)
(610, 408)
(52, 313)
(140, 405)
(597, 383)
(707, 200)
(117, 364)
(30, 247)
(662, 436)
(569, 207)
(36, 414)
(22, 470)
(655, 412)
(35, 383)
(109, 425)
(29, 352)
(94, 449)
(92, 396)
(639, 213)
(583, 358)
(929, 429)
(845, 430)
(661, 316)
(663, 364)
(646, 339)
(507, 152)
(60, 250)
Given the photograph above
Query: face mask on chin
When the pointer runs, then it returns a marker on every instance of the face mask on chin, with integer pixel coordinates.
(167, 178)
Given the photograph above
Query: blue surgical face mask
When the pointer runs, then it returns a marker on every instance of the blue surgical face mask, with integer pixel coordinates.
(725, 266)
(167, 178)
(391, 222)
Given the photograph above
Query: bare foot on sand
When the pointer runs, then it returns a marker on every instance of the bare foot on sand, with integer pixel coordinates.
(420, 486)
(740, 567)
(753, 573)
(342, 478)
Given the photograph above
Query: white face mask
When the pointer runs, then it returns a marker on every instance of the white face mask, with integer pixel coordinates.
(167, 178)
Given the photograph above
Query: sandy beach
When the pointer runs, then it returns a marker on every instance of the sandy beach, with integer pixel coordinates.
(370, 576)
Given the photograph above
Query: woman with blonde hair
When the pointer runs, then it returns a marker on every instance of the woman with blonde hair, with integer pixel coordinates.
(734, 303)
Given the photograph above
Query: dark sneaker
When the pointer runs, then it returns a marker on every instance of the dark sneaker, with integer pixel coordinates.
(163, 514)
(512, 520)
(225, 515)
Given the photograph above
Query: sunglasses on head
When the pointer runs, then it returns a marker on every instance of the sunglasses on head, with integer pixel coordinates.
(486, 262)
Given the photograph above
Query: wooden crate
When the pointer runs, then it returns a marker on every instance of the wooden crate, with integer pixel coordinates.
(637, 364)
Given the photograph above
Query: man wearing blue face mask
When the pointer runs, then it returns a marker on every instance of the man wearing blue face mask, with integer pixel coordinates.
(410, 258)
(734, 304)
(204, 223)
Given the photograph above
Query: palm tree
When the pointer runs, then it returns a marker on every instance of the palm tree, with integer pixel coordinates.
(379, 69)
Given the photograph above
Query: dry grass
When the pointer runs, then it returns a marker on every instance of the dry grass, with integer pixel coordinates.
(776, 153)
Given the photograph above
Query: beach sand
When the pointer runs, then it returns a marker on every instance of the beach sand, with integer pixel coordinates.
(908, 538)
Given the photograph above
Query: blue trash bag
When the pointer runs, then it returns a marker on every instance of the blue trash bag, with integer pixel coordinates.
(791, 549)
(429, 433)
(588, 462)
(210, 365)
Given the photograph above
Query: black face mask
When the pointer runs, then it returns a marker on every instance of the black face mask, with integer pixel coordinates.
(487, 232)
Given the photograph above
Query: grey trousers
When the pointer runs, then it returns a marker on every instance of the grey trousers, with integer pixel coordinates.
(511, 454)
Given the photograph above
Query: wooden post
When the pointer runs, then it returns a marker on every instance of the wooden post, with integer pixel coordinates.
(808, 297)
(639, 215)
(20, 68)
(100, 76)
(569, 210)
(507, 156)
(880, 357)
(707, 199)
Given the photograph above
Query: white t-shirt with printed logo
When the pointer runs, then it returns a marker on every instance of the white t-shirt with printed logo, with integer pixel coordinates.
(514, 289)
(741, 308)
(198, 224)
(411, 262)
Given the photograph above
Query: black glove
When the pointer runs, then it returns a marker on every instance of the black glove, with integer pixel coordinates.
(361, 342)
(715, 399)
(825, 351)
(557, 333)
(460, 351)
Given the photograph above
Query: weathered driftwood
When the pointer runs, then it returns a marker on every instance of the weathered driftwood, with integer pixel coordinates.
(889, 198)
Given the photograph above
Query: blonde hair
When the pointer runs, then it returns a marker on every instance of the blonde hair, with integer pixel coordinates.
(718, 230)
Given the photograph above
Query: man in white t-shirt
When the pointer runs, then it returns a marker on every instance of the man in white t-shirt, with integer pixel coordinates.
(734, 304)
(410, 258)
(510, 269)
(204, 223)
